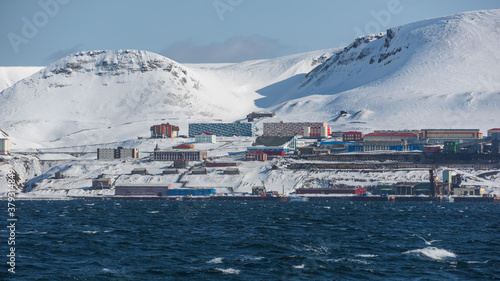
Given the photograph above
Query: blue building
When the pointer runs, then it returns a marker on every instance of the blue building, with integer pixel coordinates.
(223, 129)
(360, 148)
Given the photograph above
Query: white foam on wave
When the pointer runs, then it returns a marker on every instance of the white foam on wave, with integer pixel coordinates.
(299, 266)
(251, 259)
(229, 270)
(91, 231)
(153, 212)
(344, 260)
(108, 270)
(367, 256)
(432, 253)
(215, 260)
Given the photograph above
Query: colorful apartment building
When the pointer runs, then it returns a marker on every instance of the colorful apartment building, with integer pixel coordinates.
(307, 129)
(223, 129)
(164, 131)
(255, 155)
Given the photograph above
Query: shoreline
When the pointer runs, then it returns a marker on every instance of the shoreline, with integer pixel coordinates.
(441, 199)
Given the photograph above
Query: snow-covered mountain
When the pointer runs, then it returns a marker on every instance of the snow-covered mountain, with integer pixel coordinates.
(442, 72)
(112, 96)
(9, 75)
(436, 73)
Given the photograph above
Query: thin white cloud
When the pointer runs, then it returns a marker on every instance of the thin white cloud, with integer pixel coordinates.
(235, 49)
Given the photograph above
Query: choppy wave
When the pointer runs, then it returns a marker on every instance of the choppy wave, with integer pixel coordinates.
(432, 253)
(367, 256)
(215, 260)
(229, 270)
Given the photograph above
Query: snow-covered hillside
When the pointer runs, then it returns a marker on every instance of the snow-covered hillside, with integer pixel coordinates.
(437, 73)
(11, 74)
(111, 96)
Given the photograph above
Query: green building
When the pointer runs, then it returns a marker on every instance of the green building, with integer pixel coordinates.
(450, 147)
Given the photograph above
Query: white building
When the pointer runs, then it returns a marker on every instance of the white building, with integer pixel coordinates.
(4, 146)
(205, 137)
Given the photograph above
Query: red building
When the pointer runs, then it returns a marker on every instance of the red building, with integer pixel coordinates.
(164, 131)
(352, 136)
(255, 155)
(184, 146)
(360, 191)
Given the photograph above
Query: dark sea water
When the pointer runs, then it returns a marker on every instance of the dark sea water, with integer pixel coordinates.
(152, 240)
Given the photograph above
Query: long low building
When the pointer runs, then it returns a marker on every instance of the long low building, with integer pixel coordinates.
(117, 153)
(178, 154)
(308, 129)
(159, 190)
(142, 190)
(441, 135)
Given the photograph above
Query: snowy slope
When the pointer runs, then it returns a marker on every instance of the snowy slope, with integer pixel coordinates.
(442, 72)
(11, 74)
(270, 78)
(100, 97)
(101, 89)
(436, 73)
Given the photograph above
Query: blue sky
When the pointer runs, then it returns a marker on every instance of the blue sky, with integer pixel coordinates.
(36, 33)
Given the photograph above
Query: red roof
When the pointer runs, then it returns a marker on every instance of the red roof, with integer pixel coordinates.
(183, 146)
(255, 152)
(391, 135)
(494, 129)
(205, 134)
